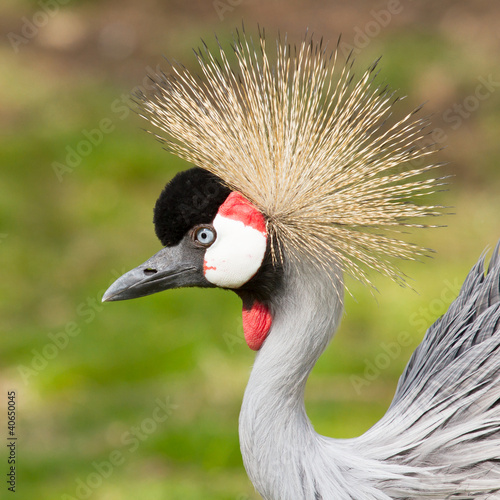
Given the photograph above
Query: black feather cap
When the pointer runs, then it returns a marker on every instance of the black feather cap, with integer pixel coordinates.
(192, 197)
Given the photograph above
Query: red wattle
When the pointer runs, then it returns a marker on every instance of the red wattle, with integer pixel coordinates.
(237, 207)
(256, 324)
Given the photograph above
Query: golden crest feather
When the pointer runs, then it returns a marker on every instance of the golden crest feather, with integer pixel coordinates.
(307, 144)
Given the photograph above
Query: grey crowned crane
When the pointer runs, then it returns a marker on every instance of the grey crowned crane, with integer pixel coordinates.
(301, 176)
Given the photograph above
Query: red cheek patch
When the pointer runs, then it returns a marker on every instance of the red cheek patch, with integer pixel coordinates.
(256, 324)
(236, 207)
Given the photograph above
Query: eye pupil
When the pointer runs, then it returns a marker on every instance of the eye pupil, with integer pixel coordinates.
(205, 235)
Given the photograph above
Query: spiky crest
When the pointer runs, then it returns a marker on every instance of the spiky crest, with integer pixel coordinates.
(309, 147)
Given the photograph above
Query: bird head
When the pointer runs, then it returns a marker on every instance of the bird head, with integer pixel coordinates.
(212, 237)
(299, 164)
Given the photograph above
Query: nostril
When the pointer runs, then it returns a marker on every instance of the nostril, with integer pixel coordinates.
(149, 271)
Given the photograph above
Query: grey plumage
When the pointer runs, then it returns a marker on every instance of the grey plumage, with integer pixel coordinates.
(445, 414)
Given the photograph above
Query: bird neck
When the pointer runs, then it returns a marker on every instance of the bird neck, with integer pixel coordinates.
(276, 435)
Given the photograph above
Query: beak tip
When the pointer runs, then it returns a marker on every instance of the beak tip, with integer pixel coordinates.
(113, 293)
(107, 297)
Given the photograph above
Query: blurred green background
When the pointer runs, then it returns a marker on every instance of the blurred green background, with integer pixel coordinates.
(140, 399)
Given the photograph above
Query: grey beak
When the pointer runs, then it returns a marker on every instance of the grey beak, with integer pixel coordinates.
(171, 267)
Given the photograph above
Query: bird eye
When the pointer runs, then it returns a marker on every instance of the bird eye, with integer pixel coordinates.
(205, 235)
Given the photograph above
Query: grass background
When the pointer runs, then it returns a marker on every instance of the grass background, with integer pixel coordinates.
(63, 240)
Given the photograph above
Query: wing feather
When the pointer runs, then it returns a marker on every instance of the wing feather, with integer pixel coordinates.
(444, 420)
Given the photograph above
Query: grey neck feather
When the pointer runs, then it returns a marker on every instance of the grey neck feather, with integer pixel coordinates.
(277, 439)
(283, 455)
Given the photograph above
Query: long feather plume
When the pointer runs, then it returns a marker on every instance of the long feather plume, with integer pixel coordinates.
(309, 145)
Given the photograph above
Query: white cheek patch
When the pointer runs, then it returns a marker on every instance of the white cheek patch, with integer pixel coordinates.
(239, 249)
(236, 255)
